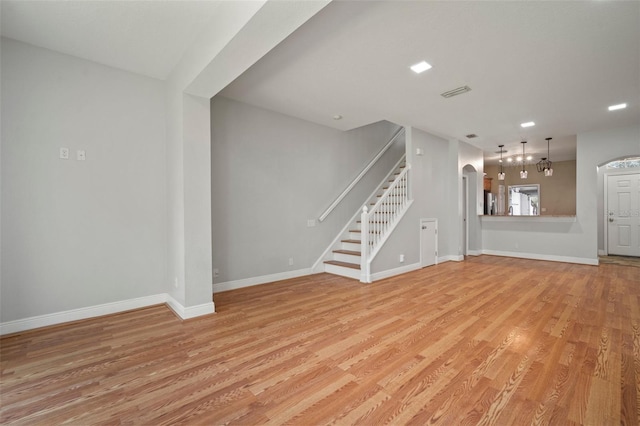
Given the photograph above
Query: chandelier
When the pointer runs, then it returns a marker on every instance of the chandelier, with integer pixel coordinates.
(544, 165)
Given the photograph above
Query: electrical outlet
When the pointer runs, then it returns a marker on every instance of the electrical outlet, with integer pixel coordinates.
(175, 282)
(216, 272)
(311, 222)
(401, 258)
(291, 261)
(81, 155)
(64, 153)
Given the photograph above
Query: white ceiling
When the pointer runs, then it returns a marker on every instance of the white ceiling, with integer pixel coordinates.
(145, 37)
(558, 63)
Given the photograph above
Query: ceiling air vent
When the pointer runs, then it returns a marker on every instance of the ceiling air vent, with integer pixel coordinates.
(472, 135)
(455, 92)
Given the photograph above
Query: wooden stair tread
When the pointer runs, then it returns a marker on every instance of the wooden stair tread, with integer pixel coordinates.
(352, 241)
(343, 264)
(349, 252)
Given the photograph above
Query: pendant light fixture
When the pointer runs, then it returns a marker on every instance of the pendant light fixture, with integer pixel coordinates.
(548, 171)
(501, 174)
(544, 165)
(523, 172)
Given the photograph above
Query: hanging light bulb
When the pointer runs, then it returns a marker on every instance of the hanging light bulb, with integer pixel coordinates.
(501, 174)
(523, 172)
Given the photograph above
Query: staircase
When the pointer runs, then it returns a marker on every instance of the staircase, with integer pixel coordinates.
(380, 214)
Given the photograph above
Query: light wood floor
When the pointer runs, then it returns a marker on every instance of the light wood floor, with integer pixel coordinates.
(486, 341)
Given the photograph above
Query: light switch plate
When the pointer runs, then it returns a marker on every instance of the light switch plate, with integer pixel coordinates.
(81, 155)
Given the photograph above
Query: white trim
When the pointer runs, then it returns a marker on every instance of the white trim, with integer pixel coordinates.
(81, 313)
(530, 219)
(450, 258)
(549, 257)
(602, 253)
(465, 213)
(264, 279)
(190, 311)
(474, 252)
(396, 271)
(56, 318)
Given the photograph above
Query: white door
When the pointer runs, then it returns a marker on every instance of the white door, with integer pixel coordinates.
(623, 214)
(428, 242)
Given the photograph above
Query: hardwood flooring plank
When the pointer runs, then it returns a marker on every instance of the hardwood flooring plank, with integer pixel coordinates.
(490, 340)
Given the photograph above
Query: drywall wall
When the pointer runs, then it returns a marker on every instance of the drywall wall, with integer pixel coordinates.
(575, 241)
(271, 173)
(79, 233)
(431, 195)
(557, 192)
(220, 54)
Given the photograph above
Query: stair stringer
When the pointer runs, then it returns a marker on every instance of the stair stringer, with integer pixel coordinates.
(366, 278)
(319, 266)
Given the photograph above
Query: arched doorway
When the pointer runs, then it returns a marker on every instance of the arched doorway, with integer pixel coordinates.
(470, 221)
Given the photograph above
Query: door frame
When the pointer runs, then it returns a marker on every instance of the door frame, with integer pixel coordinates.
(605, 216)
(465, 215)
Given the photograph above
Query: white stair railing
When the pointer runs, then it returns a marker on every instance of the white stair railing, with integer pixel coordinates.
(364, 171)
(378, 222)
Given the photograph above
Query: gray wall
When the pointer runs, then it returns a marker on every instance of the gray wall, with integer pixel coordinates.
(431, 194)
(271, 173)
(578, 240)
(78, 234)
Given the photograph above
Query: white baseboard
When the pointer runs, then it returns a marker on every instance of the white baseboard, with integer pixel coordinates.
(80, 314)
(191, 311)
(474, 252)
(601, 253)
(451, 258)
(549, 257)
(393, 272)
(248, 282)
(39, 321)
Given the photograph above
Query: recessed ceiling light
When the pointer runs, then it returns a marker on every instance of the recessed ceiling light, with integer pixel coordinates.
(420, 67)
(619, 106)
(337, 117)
(518, 158)
(509, 160)
(529, 158)
(528, 124)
